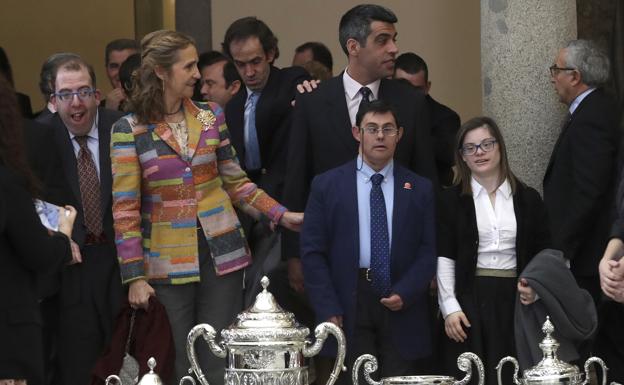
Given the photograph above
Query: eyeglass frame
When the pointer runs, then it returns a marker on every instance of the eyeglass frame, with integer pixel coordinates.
(554, 70)
(385, 130)
(484, 142)
(89, 92)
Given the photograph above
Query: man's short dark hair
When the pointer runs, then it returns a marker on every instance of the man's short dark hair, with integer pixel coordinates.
(72, 62)
(48, 71)
(120, 45)
(320, 53)
(230, 74)
(209, 58)
(247, 27)
(378, 106)
(412, 64)
(355, 24)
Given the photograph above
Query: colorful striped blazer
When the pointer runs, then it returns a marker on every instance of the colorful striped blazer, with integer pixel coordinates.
(159, 195)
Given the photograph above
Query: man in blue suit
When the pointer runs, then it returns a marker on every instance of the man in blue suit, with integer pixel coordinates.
(368, 251)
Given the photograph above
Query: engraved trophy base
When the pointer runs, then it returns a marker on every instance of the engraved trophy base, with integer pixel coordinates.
(295, 376)
(418, 380)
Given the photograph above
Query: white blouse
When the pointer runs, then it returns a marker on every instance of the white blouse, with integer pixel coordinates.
(497, 228)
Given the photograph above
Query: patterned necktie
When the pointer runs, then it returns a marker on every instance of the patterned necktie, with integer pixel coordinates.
(366, 95)
(89, 187)
(380, 241)
(252, 148)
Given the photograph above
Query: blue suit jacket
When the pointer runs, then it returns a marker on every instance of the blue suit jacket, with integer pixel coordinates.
(330, 253)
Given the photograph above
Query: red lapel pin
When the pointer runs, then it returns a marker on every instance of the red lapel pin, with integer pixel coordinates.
(407, 186)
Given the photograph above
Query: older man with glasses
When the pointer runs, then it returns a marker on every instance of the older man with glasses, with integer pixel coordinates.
(579, 180)
(579, 184)
(90, 291)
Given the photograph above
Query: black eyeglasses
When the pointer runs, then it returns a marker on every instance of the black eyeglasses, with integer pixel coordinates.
(83, 94)
(554, 70)
(386, 130)
(471, 148)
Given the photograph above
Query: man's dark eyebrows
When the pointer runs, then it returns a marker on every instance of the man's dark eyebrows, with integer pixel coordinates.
(256, 58)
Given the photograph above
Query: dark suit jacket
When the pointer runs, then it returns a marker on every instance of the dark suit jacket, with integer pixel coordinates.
(97, 277)
(444, 126)
(321, 139)
(273, 125)
(579, 183)
(458, 236)
(330, 253)
(45, 160)
(25, 249)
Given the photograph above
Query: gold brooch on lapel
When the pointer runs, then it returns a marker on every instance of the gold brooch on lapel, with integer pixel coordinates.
(407, 186)
(207, 118)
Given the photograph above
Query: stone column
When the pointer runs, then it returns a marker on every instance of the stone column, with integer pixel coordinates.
(519, 41)
(194, 17)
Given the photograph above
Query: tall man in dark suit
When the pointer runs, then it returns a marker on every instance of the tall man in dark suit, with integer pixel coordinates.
(444, 121)
(259, 118)
(579, 180)
(321, 135)
(90, 291)
(368, 251)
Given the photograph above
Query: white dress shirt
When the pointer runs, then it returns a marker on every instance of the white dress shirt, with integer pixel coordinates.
(353, 95)
(497, 228)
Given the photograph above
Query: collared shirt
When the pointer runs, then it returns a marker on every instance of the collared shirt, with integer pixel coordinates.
(497, 227)
(364, 186)
(353, 95)
(575, 103)
(93, 143)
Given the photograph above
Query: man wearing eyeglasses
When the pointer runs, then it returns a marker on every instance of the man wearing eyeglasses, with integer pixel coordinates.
(368, 251)
(579, 179)
(90, 291)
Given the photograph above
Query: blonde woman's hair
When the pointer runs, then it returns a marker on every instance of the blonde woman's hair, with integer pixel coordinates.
(158, 49)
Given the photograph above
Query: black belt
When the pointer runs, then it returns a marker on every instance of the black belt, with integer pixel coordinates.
(366, 274)
(92, 239)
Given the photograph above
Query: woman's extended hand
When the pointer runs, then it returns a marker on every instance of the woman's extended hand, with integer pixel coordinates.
(453, 326)
(527, 294)
(292, 221)
(67, 216)
(139, 294)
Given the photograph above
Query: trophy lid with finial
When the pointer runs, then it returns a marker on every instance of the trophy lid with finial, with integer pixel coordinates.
(550, 368)
(265, 320)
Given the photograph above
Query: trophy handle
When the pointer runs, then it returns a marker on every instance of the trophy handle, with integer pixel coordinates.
(465, 365)
(499, 369)
(111, 378)
(600, 362)
(370, 365)
(209, 334)
(321, 332)
(187, 378)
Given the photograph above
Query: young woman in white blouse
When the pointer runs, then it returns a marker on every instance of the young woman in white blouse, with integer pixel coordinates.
(490, 226)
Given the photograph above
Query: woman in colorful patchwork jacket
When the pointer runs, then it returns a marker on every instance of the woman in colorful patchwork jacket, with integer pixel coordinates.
(176, 179)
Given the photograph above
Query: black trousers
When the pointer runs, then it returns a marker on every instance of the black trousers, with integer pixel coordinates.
(373, 335)
(89, 300)
(490, 311)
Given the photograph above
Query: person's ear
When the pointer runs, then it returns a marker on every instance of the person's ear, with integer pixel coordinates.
(353, 47)
(234, 87)
(270, 56)
(97, 95)
(160, 72)
(357, 133)
(400, 135)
